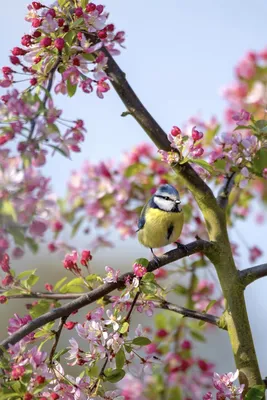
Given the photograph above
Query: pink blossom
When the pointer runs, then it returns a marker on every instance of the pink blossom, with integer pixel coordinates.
(112, 275)
(264, 173)
(102, 87)
(131, 388)
(254, 253)
(242, 117)
(208, 396)
(139, 270)
(17, 371)
(38, 227)
(70, 262)
(86, 85)
(73, 74)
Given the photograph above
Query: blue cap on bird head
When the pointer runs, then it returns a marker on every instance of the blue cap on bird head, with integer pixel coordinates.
(167, 189)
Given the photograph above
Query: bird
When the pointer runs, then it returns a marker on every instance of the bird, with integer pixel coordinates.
(161, 219)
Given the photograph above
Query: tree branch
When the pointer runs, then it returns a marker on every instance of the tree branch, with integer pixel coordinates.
(225, 190)
(201, 190)
(249, 275)
(88, 298)
(57, 336)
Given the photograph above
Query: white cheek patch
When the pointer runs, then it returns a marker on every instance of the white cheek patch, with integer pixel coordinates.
(165, 205)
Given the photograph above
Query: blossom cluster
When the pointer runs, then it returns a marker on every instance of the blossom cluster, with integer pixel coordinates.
(225, 388)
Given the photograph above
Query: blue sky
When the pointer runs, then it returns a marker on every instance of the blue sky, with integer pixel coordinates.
(179, 54)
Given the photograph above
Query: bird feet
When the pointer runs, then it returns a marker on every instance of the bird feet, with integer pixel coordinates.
(182, 247)
(155, 258)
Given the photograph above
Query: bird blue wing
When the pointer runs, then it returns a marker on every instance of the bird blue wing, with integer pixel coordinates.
(142, 218)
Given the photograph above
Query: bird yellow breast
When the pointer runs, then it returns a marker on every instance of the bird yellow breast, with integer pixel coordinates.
(154, 234)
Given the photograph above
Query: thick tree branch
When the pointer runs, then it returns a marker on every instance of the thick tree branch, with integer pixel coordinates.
(88, 298)
(249, 275)
(225, 190)
(192, 180)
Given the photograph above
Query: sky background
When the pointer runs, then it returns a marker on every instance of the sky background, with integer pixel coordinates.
(178, 57)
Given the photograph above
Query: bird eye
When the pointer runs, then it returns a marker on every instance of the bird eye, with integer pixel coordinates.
(166, 198)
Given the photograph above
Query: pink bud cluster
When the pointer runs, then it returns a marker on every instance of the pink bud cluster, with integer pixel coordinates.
(186, 147)
(70, 261)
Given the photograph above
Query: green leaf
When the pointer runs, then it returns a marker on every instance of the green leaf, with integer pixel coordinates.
(124, 328)
(255, 393)
(239, 127)
(32, 244)
(10, 396)
(59, 283)
(84, 3)
(76, 285)
(77, 23)
(160, 321)
(149, 276)
(144, 262)
(115, 375)
(120, 359)
(210, 305)
(125, 113)
(128, 348)
(261, 124)
(141, 341)
(71, 89)
(18, 235)
(7, 208)
(88, 57)
(174, 393)
(198, 336)
(62, 3)
(59, 354)
(26, 273)
(260, 161)
(181, 290)
(59, 150)
(51, 63)
(41, 308)
(13, 292)
(220, 164)
(76, 226)
(204, 164)
(134, 169)
(31, 281)
(69, 37)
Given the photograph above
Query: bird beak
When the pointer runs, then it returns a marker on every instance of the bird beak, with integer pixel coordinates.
(178, 201)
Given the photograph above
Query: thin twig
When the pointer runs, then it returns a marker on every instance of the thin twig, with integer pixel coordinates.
(225, 190)
(48, 89)
(101, 374)
(88, 298)
(128, 316)
(249, 275)
(57, 336)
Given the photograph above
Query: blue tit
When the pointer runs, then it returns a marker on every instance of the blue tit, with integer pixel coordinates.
(161, 220)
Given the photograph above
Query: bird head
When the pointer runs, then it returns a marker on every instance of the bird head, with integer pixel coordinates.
(167, 198)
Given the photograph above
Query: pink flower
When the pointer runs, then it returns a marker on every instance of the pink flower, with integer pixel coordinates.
(254, 253)
(139, 270)
(175, 131)
(86, 257)
(17, 371)
(208, 396)
(73, 74)
(3, 299)
(264, 173)
(242, 117)
(112, 275)
(196, 135)
(5, 263)
(38, 227)
(102, 87)
(70, 262)
(86, 85)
